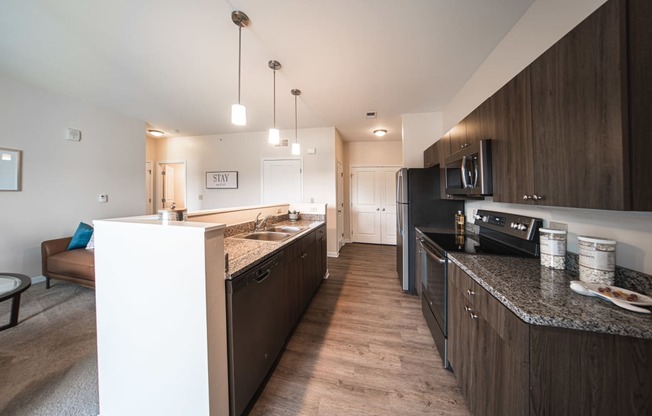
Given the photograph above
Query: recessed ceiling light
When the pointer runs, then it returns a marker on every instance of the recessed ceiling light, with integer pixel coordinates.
(155, 133)
(380, 132)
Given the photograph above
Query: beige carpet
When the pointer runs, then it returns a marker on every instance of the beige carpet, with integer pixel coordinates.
(48, 362)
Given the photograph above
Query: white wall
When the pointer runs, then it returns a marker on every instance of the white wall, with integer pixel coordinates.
(420, 130)
(243, 152)
(545, 22)
(62, 179)
(540, 27)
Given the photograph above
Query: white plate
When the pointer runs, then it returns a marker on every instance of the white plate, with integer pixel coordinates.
(642, 299)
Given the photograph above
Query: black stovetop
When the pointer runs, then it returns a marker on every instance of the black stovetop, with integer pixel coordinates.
(476, 244)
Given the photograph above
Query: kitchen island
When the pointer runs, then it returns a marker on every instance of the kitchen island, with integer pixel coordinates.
(161, 307)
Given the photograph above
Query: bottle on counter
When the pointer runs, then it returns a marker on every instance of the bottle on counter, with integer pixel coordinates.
(460, 223)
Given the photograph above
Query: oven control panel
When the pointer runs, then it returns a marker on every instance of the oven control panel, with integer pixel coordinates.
(520, 226)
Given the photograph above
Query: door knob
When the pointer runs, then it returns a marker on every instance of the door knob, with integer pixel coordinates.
(377, 209)
(383, 209)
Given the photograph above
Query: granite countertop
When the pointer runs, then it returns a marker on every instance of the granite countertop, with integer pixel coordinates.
(542, 296)
(245, 253)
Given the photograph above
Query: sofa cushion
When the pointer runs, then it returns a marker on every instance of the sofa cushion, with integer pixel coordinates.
(82, 236)
(77, 263)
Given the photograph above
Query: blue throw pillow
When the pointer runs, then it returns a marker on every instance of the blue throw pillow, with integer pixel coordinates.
(81, 237)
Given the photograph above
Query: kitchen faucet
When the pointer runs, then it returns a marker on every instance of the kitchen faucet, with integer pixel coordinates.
(261, 224)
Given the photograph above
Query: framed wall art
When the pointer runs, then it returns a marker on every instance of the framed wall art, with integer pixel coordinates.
(222, 180)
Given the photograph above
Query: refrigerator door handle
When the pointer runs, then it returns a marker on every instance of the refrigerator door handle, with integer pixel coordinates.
(399, 186)
(400, 219)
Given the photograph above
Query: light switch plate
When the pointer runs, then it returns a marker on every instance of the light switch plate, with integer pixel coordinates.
(73, 135)
(103, 198)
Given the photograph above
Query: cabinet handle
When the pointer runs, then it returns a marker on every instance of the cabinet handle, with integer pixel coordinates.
(470, 292)
(304, 255)
(526, 197)
(472, 315)
(468, 309)
(538, 197)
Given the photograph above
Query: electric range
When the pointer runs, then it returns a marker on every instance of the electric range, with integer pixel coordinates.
(500, 233)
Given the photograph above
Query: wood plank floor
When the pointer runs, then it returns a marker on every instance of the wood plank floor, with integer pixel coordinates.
(362, 348)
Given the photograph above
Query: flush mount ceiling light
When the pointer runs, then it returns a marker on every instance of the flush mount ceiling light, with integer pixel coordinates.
(238, 111)
(296, 147)
(274, 134)
(155, 133)
(380, 132)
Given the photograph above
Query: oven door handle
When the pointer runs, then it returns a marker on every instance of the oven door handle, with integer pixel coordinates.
(431, 254)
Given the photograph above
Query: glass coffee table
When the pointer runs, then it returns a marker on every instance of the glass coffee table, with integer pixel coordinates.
(11, 286)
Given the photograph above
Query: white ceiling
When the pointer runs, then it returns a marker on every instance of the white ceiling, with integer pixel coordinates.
(173, 63)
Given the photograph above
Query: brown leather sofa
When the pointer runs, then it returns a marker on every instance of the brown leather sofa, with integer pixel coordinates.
(76, 266)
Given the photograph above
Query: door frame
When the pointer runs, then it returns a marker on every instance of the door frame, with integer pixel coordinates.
(149, 178)
(159, 184)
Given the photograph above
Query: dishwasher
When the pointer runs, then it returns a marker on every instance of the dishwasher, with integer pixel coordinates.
(254, 303)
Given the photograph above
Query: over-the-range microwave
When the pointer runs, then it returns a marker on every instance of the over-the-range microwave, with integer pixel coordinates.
(468, 171)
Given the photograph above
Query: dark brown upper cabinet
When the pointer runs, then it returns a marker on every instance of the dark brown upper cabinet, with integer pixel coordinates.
(457, 137)
(579, 126)
(511, 143)
(576, 137)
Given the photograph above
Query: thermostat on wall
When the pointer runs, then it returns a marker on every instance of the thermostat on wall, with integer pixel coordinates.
(74, 135)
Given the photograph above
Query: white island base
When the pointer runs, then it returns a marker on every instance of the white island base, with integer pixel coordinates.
(161, 318)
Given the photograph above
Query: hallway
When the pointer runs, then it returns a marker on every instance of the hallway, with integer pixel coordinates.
(362, 348)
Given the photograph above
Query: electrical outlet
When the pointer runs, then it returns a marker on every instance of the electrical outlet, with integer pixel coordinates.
(201, 197)
(558, 226)
(103, 198)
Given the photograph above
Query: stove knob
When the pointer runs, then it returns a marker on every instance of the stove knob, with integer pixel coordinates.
(477, 217)
(485, 218)
(513, 225)
(522, 227)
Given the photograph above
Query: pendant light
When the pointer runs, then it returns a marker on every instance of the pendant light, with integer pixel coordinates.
(238, 111)
(274, 134)
(296, 147)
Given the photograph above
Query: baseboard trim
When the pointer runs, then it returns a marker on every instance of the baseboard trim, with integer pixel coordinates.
(38, 279)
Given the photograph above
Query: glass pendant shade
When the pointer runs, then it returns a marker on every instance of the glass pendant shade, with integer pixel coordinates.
(238, 115)
(296, 149)
(274, 136)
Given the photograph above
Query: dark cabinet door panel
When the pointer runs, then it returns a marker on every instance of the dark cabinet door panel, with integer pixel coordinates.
(586, 373)
(578, 91)
(640, 103)
(511, 146)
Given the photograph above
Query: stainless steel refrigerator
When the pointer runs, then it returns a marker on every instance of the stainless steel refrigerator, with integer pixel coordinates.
(418, 203)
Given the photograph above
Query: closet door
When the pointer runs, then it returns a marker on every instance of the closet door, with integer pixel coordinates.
(373, 205)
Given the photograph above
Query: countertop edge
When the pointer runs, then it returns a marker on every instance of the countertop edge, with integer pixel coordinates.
(553, 320)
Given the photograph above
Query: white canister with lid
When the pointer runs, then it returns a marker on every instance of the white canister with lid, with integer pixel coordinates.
(553, 248)
(597, 260)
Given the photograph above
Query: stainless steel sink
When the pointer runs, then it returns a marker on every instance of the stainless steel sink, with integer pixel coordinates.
(265, 236)
(292, 229)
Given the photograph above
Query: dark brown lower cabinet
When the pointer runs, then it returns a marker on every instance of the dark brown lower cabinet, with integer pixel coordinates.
(488, 348)
(304, 272)
(587, 373)
(507, 367)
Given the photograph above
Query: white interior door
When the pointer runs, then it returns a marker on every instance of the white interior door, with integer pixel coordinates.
(388, 207)
(340, 206)
(373, 205)
(282, 181)
(171, 184)
(365, 209)
(149, 188)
